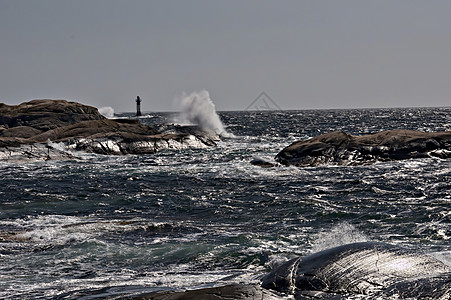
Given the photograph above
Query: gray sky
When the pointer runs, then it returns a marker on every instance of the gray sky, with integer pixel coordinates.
(304, 54)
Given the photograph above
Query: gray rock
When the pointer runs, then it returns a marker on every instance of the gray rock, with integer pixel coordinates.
(371, 269)
(343, 149)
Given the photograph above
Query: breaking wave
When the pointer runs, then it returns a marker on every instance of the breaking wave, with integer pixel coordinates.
(107, 112)
(199, 109)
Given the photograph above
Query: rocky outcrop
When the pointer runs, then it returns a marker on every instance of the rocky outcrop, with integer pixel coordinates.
(126, 143)
(79, 127)
(344, 149)
(373, 270)
(43, 115)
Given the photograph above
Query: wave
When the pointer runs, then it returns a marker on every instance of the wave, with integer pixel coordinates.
(199, 109)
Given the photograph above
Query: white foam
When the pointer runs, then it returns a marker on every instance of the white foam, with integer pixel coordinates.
(178, 277)
(51, 230)
(107, 112)
(199, 109)
(57, 146)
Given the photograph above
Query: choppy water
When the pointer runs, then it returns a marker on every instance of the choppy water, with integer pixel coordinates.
(205, 217)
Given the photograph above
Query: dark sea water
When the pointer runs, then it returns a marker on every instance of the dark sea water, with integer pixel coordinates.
(118, 225)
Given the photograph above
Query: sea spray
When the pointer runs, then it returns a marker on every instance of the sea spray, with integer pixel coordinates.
(107, 112)
(199, 109)
(341, 234)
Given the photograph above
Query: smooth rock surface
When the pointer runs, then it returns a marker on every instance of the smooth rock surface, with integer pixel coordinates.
(44, 115)
(340, 148)
(371, 269)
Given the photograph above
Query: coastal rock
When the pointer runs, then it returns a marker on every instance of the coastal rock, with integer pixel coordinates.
(94, 129)
(126, 143)
(344, 149)
(209, 138)
(79, 127)
(43, 115)
(260, 162)
(34, 153)
(370, 269)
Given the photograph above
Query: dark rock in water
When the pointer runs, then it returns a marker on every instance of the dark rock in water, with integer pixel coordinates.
(229, 292)
(344, 149)
(262, 163)
(81, 127)
(371, 269)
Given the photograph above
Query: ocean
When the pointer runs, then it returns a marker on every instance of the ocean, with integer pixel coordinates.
(106, 226)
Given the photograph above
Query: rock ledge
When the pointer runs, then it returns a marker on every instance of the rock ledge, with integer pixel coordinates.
(339, 148)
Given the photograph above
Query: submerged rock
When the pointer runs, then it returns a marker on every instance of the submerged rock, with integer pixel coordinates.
(260, 162)
(81, 127)
(344, 149)
(370, 269)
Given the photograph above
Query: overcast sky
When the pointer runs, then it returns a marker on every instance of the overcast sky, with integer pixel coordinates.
(303, 54)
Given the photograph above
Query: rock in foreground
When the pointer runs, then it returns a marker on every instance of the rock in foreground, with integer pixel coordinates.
(367, 270)
(340, 148)
(372, 270)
